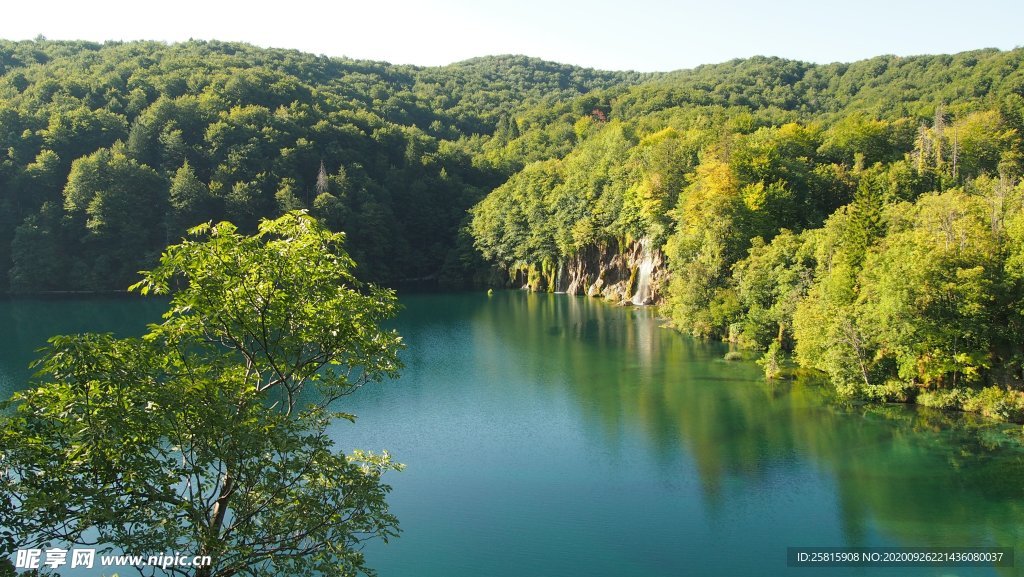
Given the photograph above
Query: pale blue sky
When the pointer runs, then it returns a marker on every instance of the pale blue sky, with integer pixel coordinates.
(638, 34)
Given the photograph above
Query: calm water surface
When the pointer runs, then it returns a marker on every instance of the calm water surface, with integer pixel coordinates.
(558, 436)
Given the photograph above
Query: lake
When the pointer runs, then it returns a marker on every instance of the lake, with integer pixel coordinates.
(547, 435)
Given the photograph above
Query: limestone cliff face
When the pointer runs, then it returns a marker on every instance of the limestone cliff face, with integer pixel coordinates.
(632, 274)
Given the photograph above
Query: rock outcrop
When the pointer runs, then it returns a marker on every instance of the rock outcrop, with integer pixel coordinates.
(634, 274)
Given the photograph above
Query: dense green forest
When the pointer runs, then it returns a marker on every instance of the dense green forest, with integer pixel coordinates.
(109, 152)
(865, 217)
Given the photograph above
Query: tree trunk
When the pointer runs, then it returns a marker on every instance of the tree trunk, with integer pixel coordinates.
(220, 508)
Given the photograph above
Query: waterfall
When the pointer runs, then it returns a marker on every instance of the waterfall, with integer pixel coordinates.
(561, 278)
(643, 286)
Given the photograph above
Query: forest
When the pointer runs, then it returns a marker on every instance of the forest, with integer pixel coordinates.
(862, 219)
(111, 151)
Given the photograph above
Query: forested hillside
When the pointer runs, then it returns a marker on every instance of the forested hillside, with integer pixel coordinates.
(866, 216)
(110, 152)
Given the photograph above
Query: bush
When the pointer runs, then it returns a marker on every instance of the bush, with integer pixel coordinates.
(772, 361)
(952, 399)
(892, 391)
(997, 403)
(991, 402)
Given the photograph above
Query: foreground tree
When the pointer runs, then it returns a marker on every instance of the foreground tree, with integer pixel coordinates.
(208, 434)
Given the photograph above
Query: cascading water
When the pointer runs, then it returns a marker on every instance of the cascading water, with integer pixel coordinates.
(643, 286)
(561, 278)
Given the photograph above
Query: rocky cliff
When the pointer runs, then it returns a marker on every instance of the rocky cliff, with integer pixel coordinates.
(632, 273)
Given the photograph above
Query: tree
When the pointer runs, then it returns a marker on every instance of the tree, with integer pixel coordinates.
(208, 434)
(928, 291)
(707, 242)
(769, 283)
(189, 199)
(866, 222)
(117, 208)
(78, 132)
(828, 330)
(38, 264)
(984, 142)
(322, 182)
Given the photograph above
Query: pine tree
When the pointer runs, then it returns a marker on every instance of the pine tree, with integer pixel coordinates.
(189, 199)
(513, 128)
(866, 223)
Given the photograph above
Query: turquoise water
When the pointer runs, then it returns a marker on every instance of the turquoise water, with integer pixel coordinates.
(547, 435)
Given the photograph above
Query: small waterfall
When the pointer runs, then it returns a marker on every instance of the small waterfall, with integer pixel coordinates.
(643, 285)
(561, 278)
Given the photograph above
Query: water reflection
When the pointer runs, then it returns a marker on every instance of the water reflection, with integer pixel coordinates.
(919, 477)
(555, 435)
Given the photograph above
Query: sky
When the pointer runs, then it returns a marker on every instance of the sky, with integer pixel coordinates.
(644, 35)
